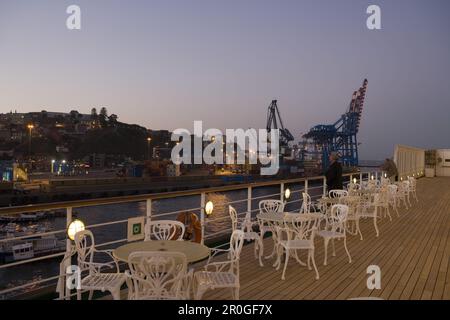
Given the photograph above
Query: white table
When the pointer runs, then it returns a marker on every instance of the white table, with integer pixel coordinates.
(194, 251)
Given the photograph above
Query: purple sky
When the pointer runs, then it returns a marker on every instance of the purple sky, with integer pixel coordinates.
(164, 64)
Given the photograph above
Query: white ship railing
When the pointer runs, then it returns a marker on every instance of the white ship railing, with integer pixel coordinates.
(305, 185)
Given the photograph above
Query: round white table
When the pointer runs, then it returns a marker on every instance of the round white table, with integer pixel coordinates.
(194, 251)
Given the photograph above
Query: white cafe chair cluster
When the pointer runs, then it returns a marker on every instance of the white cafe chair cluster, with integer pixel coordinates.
(157, 275)
(160, 275)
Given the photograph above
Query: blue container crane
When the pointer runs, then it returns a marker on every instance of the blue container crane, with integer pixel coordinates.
(341, 136)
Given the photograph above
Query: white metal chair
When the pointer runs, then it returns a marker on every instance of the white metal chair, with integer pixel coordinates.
(384, 201)
(337, 193)
(308, 205)
(246, 225)
(224, 274)
(370, 209)
(392, 190)
(276, 206)
(403, 193)
(164, 230)
(385, 181)
(96, 280)
(335, 228)
(269, 206)
(297, 234)
(352, 187)
(413, 187)
(158, 276)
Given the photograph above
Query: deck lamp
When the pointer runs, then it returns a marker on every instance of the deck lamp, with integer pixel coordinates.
(354, 180)
(372, 177)
(385, 175)
(287, 193)
(74, 227)
(209, 207)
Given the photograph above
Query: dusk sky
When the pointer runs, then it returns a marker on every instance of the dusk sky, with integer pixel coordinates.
(164, 64)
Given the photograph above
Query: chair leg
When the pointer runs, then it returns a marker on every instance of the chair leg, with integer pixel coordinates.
(388, 213)
(396, 209)
(285, 264)
(199, 293)
(359, 229)
(78, 294)
(376, 226)
(346, 250)
(91, 293)
(260, 250)
(116, 294)
(326, 250)
(235, 293)
(314, 264)
(309, 260)
(334, 248)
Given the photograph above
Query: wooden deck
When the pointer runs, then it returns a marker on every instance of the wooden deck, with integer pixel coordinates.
(412, 251)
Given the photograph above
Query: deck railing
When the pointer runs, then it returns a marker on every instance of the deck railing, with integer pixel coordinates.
(316, 186)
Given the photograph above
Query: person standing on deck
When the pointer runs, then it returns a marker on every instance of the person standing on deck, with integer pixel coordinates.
(390, 168)
(334, 173)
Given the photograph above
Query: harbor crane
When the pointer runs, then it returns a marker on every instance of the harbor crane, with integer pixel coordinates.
(341, 136)
(274, 121)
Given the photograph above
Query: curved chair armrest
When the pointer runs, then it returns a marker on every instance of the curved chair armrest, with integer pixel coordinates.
(214, 252)
(109, 253)
(97, 266)
(219, 266)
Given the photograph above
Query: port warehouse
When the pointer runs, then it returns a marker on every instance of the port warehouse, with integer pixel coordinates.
(410, 162)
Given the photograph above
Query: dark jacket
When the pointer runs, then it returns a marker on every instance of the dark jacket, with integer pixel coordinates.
(334, 176)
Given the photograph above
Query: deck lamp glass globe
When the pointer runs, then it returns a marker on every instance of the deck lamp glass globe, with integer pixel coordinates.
(287, 193)
(372, 177)
(354, 180)
(74, 227)
(209, 207)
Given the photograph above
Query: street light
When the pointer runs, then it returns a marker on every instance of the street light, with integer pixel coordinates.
(149, 140)
(30, 127)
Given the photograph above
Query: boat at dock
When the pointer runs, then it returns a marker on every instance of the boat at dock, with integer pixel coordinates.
(32, 217)
(31, 247)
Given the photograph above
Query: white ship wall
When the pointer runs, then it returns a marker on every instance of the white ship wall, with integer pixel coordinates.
(443, 166)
